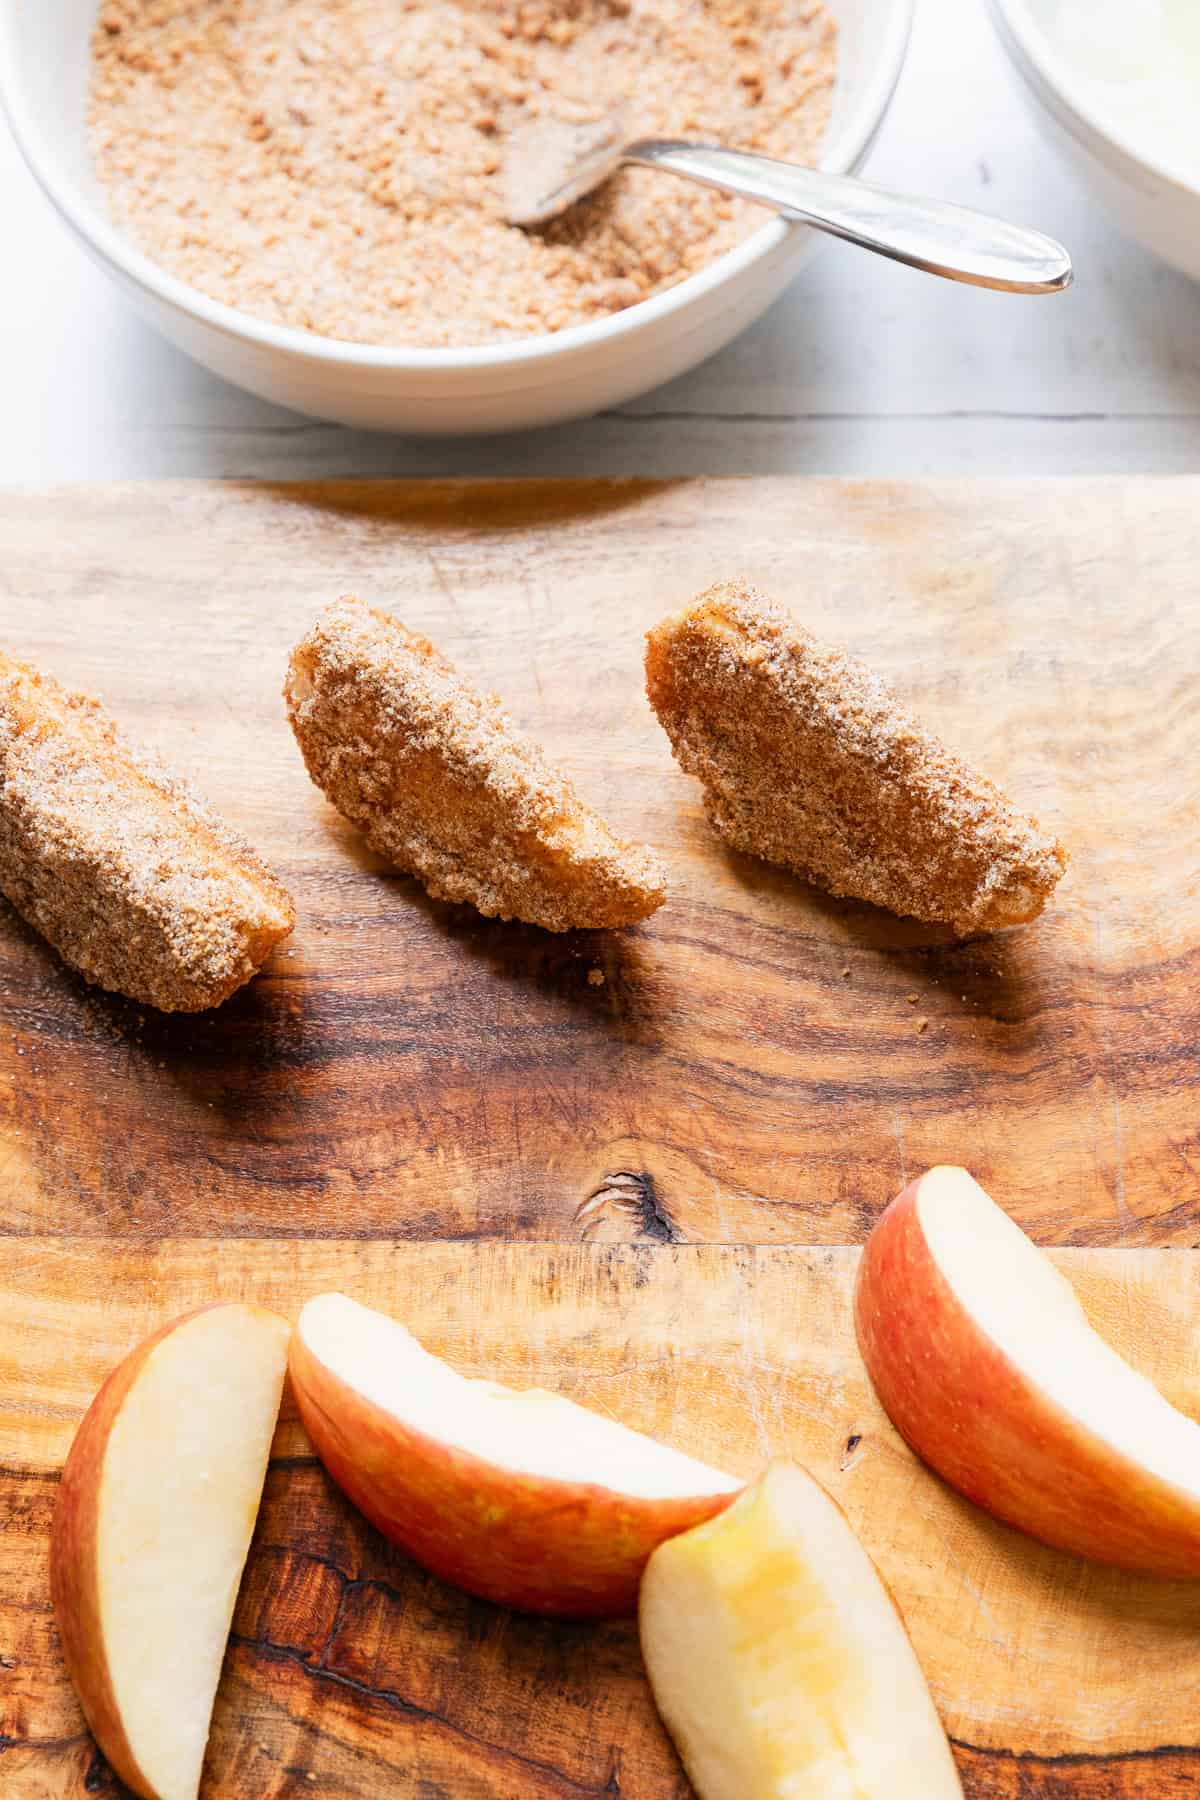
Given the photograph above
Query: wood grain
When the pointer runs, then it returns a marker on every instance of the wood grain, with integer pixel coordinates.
(750, 1077)
(751, 1069)
(357, 1674)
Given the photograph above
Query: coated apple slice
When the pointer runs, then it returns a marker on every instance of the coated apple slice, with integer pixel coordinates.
(440, 781)
(808, 759)
(134, 880)
(778, 1662)
(154, 1519)
(521, 1497)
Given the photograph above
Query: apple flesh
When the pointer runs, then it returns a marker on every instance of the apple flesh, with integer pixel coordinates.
(521, 1497)
(778, 1662)
(986, 1364)
(154, 1519)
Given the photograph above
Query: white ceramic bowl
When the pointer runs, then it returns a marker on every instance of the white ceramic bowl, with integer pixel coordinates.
(1156, 204)
(43, 73)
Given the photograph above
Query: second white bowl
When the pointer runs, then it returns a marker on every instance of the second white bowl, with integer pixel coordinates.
(1156, 205)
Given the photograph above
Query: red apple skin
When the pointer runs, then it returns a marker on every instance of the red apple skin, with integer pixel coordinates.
(73, 1584)
(567, 1550)
(968, 1412)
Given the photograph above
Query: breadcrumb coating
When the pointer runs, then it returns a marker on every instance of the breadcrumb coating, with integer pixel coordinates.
(442, 784)
(809, 760)
(130, 876)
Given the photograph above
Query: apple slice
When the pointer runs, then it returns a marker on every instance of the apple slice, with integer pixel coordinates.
(521, 1497)
(778, 1661)
(154, 1519)
(985, 1362)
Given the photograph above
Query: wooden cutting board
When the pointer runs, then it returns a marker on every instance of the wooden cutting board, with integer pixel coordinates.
(758, 1071)
(752, 1068)
(352, 1674)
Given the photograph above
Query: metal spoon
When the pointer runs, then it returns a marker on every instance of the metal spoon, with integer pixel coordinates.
(549, 165)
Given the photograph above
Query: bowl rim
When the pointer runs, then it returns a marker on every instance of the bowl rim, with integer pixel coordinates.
(844, 152)
(1026, 38)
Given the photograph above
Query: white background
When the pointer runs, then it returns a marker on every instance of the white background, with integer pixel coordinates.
(862, 368)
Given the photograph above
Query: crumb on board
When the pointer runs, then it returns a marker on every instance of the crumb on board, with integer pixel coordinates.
(596, 977)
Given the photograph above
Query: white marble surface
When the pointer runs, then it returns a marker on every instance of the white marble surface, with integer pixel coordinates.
(862, 368)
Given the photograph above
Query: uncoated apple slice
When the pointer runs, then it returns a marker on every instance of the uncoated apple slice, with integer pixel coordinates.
(780, 1665)
(986, 1364)
(159, 1497)
(517, 1495)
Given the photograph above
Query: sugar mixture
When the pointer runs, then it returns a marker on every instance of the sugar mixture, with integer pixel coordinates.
(337, 165)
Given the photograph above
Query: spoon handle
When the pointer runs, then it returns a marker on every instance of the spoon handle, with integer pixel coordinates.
(954, 241)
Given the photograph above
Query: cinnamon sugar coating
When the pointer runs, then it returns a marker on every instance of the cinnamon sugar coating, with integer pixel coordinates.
(442, 784)
(338, 165)
(809, 760)
(130, 876)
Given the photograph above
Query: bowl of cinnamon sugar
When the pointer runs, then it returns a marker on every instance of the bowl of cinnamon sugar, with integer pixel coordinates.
(306, 195)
